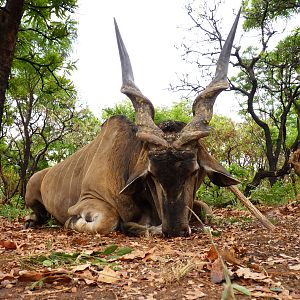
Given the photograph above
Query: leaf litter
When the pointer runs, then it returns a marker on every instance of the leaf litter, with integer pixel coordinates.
(57, 263)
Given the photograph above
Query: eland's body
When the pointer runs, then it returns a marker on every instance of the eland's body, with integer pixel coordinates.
(140, 178)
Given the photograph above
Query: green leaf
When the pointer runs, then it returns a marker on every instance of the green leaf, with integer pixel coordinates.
(123, 251)
(110, 249)
(241, 289)
(216, 233)
(47, 263)
(36, 284)
(99, 261)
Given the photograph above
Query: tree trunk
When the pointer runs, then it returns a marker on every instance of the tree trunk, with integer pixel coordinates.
(10, 19)
(262, 174)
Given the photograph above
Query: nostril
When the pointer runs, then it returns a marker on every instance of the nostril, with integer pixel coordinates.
(179, 232)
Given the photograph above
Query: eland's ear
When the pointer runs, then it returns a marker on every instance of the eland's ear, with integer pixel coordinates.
(138, 173)
(214, 170)
(131, 184)
(220, 177)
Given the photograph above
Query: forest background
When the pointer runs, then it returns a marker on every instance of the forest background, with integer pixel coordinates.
(42, 121)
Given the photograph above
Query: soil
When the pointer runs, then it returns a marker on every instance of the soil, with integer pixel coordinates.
(263, 263)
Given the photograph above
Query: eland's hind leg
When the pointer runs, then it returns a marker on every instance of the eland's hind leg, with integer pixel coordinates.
(33, 200)
(94, 216)
(38, 217)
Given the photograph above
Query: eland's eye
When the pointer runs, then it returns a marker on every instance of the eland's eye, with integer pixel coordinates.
(195, 171)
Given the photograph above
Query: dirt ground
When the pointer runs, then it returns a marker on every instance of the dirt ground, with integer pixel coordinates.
(84, 266)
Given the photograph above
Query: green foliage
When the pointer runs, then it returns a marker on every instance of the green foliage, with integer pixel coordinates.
(215, 196)
(280, 193)
(255, 11)
(267, 82)
(125, 109)
(179, 111)
(14, 209)
(43, 121)
(238, 146)
(84, 126)
(97, 258)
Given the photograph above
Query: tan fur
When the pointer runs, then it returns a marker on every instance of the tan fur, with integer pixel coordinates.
(95, 188)
(295, 161)
(85, 181)
(33, 191)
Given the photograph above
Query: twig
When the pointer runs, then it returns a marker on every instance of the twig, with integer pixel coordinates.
(49, 292)
(251, 207)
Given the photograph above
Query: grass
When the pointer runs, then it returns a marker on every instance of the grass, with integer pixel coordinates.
(176, 271)
(14, 209)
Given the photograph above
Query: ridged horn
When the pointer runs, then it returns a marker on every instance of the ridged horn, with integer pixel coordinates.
(204, 102)
(144, 110)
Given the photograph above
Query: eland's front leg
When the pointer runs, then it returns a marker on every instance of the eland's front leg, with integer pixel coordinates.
(93, 216)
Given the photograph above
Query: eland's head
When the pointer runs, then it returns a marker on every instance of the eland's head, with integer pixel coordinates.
(176, 161)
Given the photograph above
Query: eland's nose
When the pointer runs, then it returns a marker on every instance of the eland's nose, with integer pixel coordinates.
(186, 231)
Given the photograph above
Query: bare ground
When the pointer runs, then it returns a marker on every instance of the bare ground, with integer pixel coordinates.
(266, 263)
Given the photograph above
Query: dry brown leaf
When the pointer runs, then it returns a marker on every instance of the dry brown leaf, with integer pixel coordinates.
(230, 256)
(217, 273)
(5, 276)
(248, 274)
(199, 265)
(108, 275)
(62, 278)
(138, 254)
(89, 281)
(30, 276)
(8, 245)
(87, 276)
(191, 295)
(80, 267)
(78, 241)
(212, 254)
(295, 267)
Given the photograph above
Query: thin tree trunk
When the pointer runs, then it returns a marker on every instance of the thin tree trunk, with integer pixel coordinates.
(10, 19)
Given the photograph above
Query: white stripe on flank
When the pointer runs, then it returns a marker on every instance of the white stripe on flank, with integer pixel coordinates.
(71, 179)
(100, 144)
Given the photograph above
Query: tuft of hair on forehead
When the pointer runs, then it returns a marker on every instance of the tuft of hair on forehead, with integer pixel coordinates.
(171, 126)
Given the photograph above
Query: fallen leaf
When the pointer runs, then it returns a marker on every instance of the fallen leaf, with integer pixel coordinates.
(287, 256)
(212, 254)
(295, 267)
(78, 241)
(89, 281)
(80, 267)
(62, 278)
(8, 245)
(191, 295)
(5, 283)
(87, 276)
(108, 275)
(217, 273)
(241, 289)
(138, 254)
(5, 276)
(30, 276)
(230, 256)
(248, 274)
